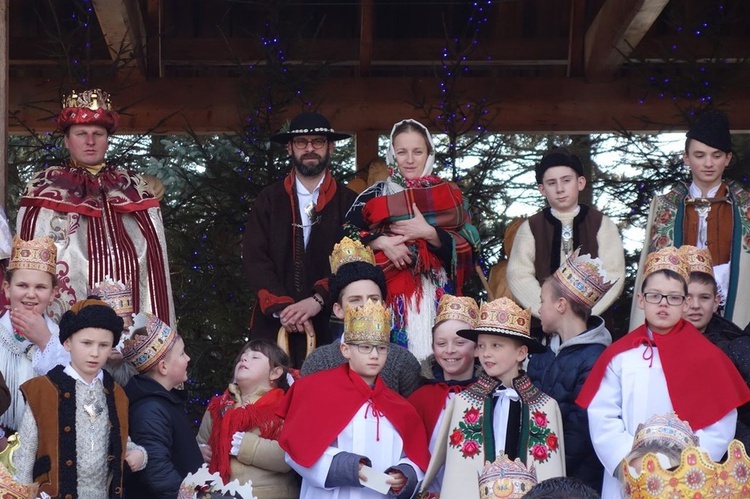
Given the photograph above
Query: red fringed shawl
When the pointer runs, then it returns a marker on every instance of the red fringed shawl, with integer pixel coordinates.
(228, 419)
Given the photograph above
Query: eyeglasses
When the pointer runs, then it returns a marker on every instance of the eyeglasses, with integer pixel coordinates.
(366, 348)
(656, 298)
(300, 143)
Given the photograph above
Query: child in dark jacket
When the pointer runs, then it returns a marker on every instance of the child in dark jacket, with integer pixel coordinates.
(157, 409)
(575, 339)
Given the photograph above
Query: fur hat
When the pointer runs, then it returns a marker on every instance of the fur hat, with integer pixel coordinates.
(712, 128)
(91, 312)
(558, 157)
(353, 272)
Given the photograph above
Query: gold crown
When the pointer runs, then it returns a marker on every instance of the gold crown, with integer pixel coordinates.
(460, 308)
(11, 489)
(144, 351)
(583, 278)
(37, 254)
(669, 258)
(503, 315)
(347, 251)
(696, 476)
(505, 478)
(370, 323)
(93, 99)
(698, 259)
(663, 431)
(116, 294)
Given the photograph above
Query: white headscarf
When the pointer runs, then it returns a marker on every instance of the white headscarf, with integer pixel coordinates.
(390, 156)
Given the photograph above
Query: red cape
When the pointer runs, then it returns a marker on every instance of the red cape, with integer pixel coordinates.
(318, 407)
(429, 400)
(703, 383)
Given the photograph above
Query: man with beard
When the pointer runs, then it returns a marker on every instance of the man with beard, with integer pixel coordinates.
(290, 233)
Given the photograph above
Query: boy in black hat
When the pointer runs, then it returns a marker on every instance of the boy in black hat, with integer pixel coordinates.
(708, 213)
(74, 433)
(290, 232)
(547, 238)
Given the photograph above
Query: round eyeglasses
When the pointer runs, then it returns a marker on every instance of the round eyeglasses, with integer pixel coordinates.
(317, 143)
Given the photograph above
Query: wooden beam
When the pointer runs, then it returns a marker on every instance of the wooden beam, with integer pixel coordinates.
(124, 32)
(366, 147)
(617, 29)
(576, 38)
(154, 65)
(4, 89)
(564, 105)
(365, 36)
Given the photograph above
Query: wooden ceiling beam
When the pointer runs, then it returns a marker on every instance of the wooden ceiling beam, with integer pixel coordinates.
(212, 105)
(154, 65)
(576, 37)
(618, 28)
(124, 32)
(366, 13)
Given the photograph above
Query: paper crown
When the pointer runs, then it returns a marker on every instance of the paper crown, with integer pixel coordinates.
(698, 259)
(347, 251)
(669, 258)
(583, 279)
(37, 254)
(90, 107)
(145, 350)
(663, 432)
(117, 295)
(460, 308)
(203, 483)
(696, 476)
(11, 489)
(506, 479)
(370, 323)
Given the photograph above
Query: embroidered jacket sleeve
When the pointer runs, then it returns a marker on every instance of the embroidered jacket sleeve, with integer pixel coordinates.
(613, 257)
(521, 273)
(262, 453)
(25, 456)
(259, 266)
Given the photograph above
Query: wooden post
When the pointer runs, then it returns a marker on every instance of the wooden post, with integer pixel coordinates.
(4, 100)
(366, 145)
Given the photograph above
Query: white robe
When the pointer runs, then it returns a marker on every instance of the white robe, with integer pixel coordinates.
(22, 360)
(632, 390)
(359, 437)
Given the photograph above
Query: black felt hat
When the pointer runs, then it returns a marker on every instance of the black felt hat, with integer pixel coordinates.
(353, 272)
(558, 157)
(712, 129)
(309, 124)
(91, 312)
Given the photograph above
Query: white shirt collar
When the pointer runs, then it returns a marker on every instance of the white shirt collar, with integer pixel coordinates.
(695, 191)
(70, 371)
(301, 189)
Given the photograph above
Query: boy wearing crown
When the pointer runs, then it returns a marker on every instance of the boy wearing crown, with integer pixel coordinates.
(74, 433)
(158, 420)
(547, 238)
(575, 339)
(355, 279)
(360, 427)
(708, 213)
(502, 413)
(652, 371)
(104, 219)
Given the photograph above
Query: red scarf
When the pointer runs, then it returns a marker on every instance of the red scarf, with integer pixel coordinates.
(228, 419)
(429, 400)
(442, 205)
(703, 383)
(318, 407)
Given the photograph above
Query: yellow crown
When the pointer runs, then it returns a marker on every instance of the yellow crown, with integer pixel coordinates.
(370, 323)
(665, 432)
(93, 99)
(503, 315)
(698, 259)
(583, 278)
(696, 476)
(506, 479)
(144, 351)
(116, 294)
(11, 489)
(460, 308)
(347, 251)
(669, 258)
(37, 254)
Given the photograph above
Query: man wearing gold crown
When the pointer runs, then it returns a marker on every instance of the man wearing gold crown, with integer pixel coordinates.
(105, 220)
(707, 213)
(360, 425)
(290, 232)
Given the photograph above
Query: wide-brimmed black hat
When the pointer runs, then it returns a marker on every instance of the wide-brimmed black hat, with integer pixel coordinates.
(309, 124)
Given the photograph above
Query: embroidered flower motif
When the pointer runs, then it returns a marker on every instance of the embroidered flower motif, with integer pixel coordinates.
(552, 442)
(542, 440)
(539, 452)
(468, 436)
(664, 216)
(540, 418)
